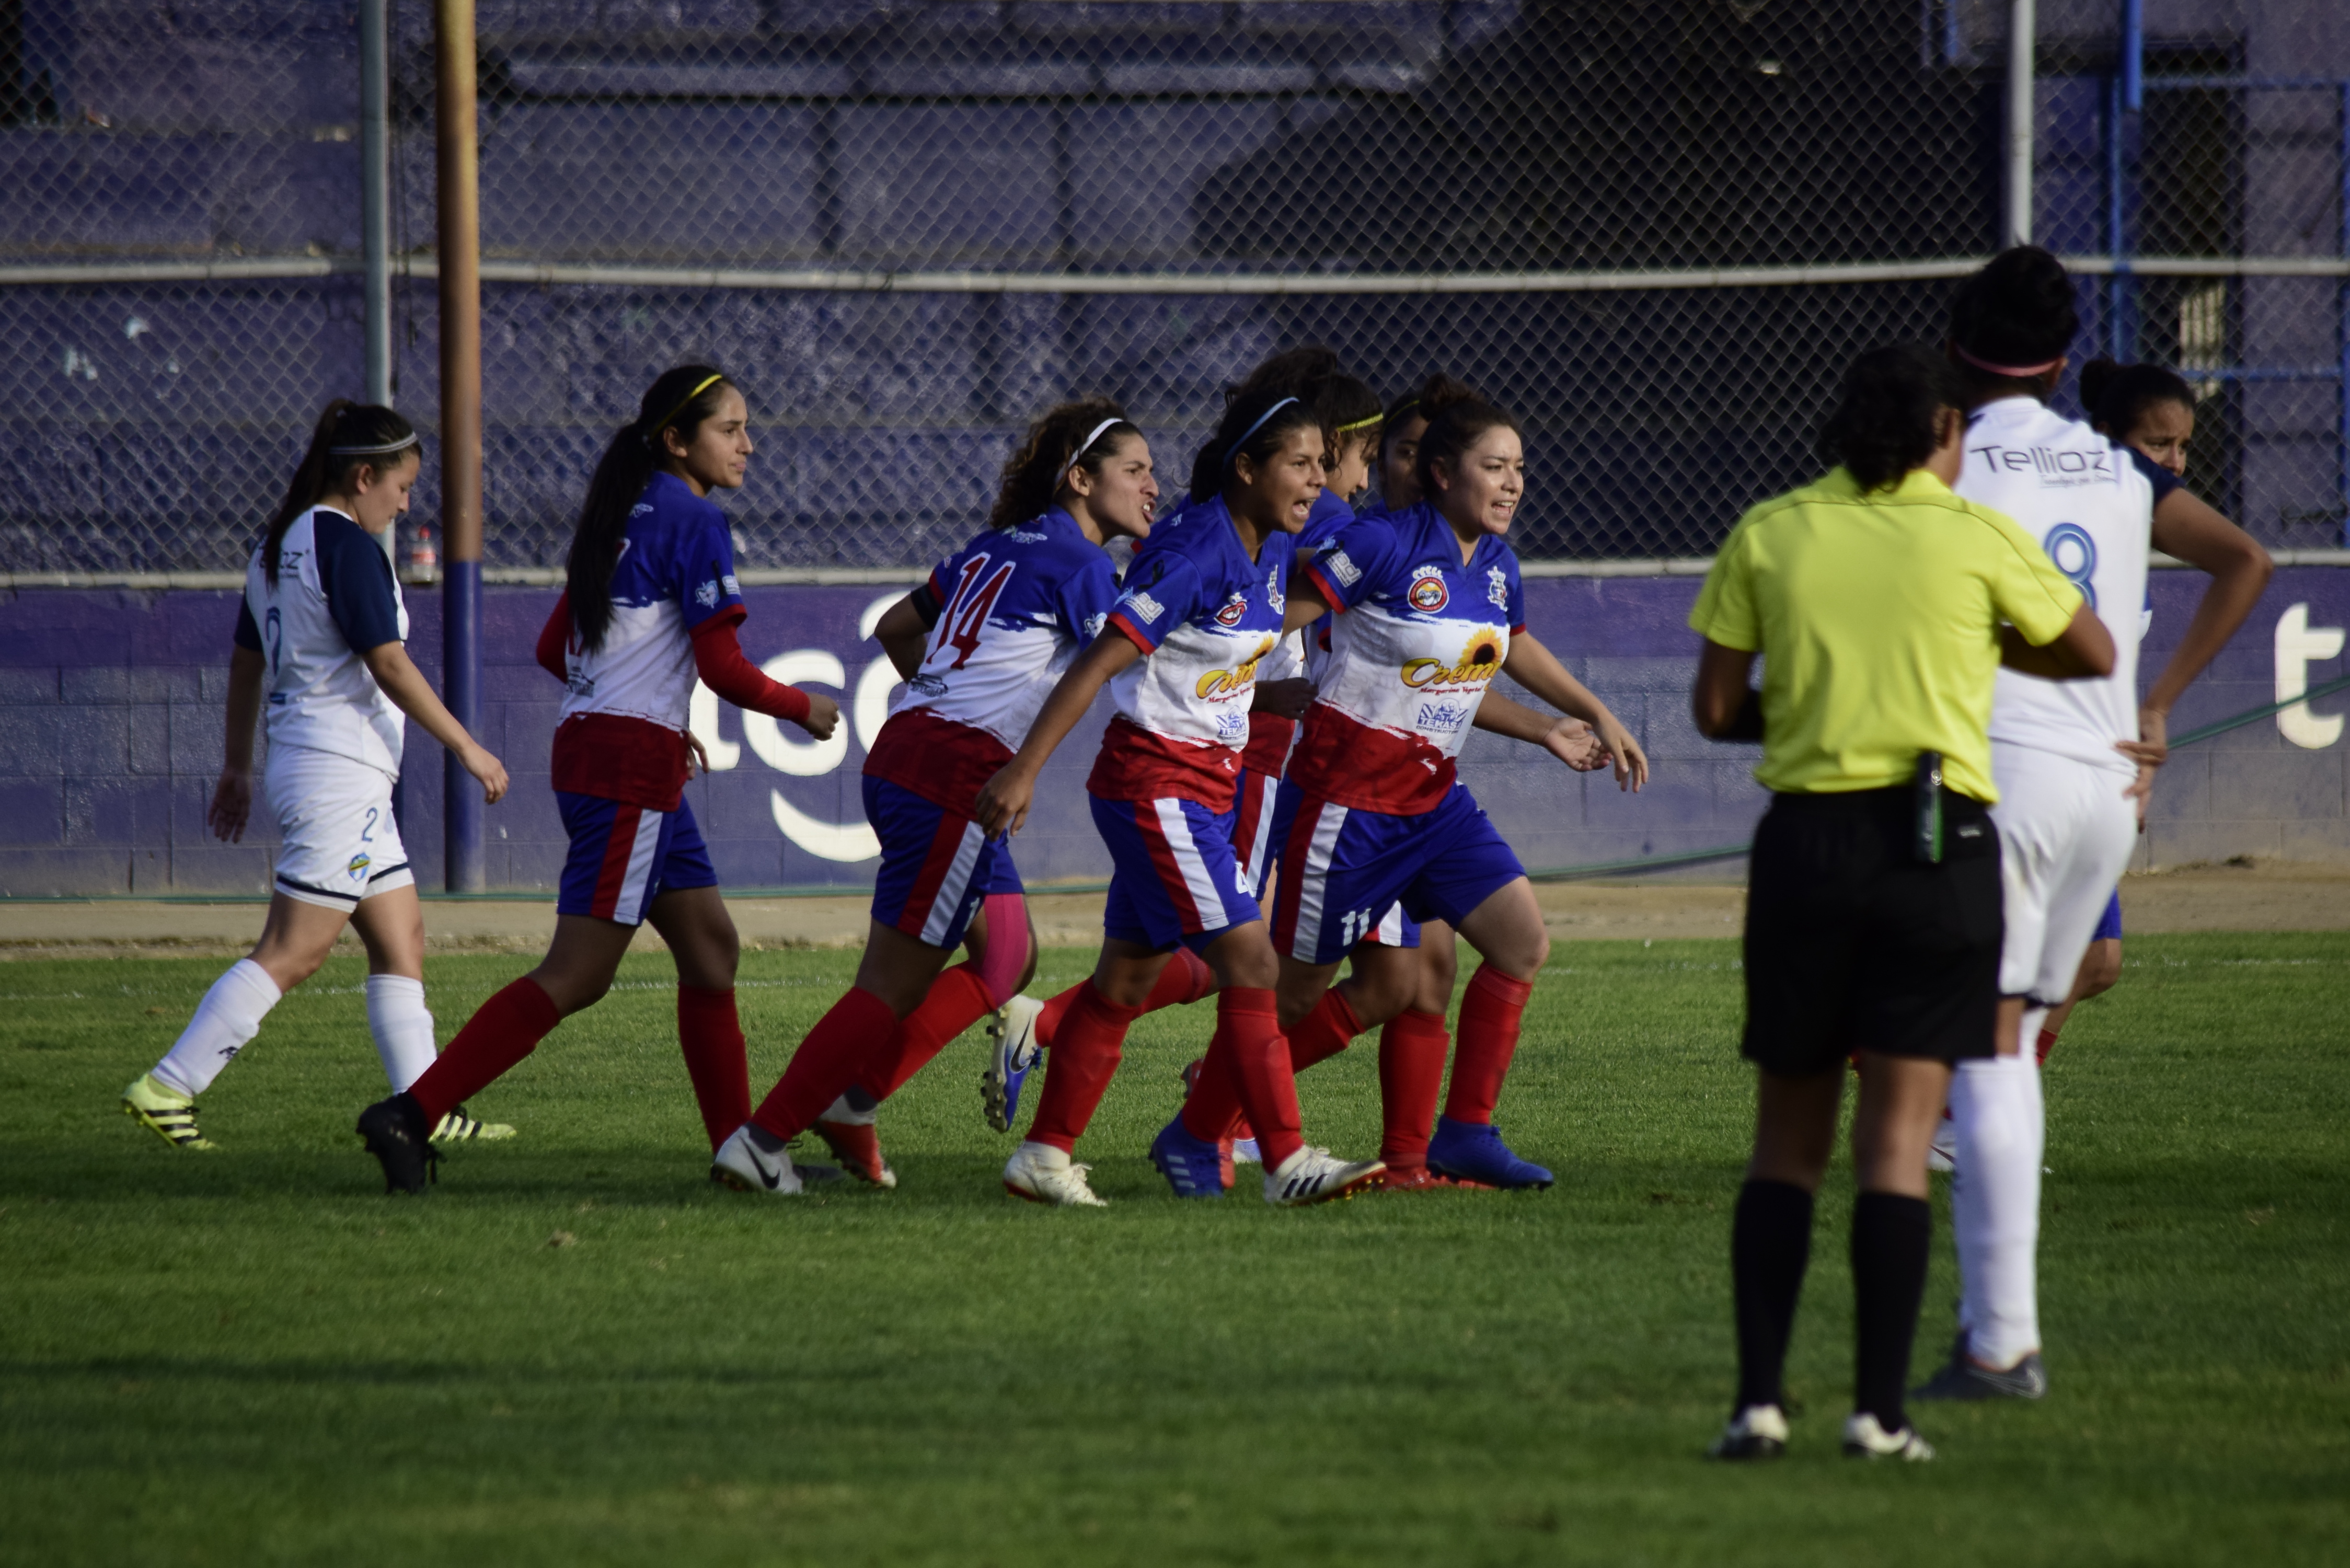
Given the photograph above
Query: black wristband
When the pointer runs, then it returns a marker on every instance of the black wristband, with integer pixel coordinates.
(926, 604)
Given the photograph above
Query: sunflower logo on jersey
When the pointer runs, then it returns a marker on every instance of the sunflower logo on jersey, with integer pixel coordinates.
(1427, 592)
(1480, 660)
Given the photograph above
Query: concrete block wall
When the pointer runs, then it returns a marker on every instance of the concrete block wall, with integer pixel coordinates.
(110, 724)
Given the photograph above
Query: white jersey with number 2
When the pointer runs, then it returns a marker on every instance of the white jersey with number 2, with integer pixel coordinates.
(2092, 508)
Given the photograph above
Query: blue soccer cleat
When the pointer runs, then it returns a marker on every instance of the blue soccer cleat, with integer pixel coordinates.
(1011, 1056)
(1469, 1151)
(1193, 1167)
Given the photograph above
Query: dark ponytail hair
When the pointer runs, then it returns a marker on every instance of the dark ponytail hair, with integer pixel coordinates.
(2117, 396)
(1890, 417)
(680, 399)
(2016, 313)
(1283, 415)
(1424, 400)
(348, 437)
(1342, 402)
(1032, 476)
(1458, 418)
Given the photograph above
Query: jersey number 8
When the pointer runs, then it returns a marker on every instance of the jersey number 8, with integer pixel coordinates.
(2075, 555)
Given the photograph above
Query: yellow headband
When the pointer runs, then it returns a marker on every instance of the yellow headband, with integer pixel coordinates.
(662, 423)
(1360, 425)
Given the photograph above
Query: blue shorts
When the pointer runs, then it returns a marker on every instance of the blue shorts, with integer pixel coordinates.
(1174, 878)
(2109, 927)
(624, 856)
(1341, 869)
(1256, 800)
(936, 865)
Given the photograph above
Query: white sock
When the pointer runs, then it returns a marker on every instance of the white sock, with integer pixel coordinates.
(229, 1015)
(1995, 1204)
(402, 1028)
(845, 1113)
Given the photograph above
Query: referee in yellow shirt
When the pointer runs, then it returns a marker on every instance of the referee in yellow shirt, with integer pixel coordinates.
(1881, 605)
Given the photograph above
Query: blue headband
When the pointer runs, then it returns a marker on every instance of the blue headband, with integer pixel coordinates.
(1234, 450)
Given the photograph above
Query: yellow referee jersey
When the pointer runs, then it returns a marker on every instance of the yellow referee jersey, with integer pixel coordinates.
(1877, 619)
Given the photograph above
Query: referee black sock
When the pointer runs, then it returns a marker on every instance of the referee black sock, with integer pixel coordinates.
(1770, 1247)
(1890, 1238)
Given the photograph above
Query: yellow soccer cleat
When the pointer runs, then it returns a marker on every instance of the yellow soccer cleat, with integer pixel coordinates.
(170, 1114)
(457, 1127)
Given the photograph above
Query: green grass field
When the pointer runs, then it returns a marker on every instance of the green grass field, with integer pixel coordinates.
(577, 1350)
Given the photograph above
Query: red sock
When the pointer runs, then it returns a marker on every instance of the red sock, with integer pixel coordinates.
(502, 1031)
(1084, 1060)
(2045, 1043)
(1248, 1051)
(826, 1063)
(1215, 1100)
(711, 1034)
(1186, 979)
(957, 1000)
(1490, 1007)
(1411, 1076)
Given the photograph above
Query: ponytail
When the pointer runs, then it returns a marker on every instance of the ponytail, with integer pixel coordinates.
(680, 399)
(348, 437)
(1073, 435)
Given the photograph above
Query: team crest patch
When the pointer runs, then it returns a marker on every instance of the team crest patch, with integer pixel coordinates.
(1273, 591)
(1428, 594)
(358, 865)
(1234, 609)
(707, 594)
(1497, 588)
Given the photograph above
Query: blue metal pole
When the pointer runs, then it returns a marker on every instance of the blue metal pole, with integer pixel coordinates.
(2128, 101)
(466, 864)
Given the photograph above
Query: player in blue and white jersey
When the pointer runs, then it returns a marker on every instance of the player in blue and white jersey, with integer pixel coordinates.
(1203, 606)
(1428, 608)
(981, 646)
(649, 604)
(2071, 760)
(318, 651)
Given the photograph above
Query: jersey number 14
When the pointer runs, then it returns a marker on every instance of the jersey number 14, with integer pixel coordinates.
(966, 616)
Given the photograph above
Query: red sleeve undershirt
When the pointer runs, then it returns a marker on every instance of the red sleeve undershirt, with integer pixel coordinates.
(553, 636)
(718, 660)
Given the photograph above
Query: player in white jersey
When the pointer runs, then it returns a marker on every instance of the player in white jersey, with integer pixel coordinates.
(319, 636)
(980, 645)
(649, 604)
(2070, 759)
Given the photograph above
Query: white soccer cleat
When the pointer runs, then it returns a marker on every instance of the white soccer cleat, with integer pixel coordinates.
(745, 1163)
(1942, 1155)
(1043, 1174)
(1760, 1432)
(1318, 1176)
(1863, 1438)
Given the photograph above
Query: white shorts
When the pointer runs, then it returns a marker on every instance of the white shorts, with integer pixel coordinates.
(2065, 834)
(334, 814)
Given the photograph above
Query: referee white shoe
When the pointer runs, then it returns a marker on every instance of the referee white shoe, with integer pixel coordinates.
(1759, 1432)
(1863, 1438)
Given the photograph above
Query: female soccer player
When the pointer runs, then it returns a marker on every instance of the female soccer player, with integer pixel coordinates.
(2074, 761)
(980, 645)
(320, 633)
(650, 601)
(1203, 606)
(1428, 609)
(1877, 600)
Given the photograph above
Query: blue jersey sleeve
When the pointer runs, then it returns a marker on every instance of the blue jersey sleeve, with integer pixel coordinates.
(1162, 592)
(2161, 478)
(704, 571)
(1356, 564)
(1330, 517)
(356, 576)
(1087, 595)
(247, 634)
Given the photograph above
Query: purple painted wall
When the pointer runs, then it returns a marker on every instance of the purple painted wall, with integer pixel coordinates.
(111, 739)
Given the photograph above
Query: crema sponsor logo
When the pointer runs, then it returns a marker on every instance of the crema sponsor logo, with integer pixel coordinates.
(1217, 685)
(1480, 660)
(2059, 466)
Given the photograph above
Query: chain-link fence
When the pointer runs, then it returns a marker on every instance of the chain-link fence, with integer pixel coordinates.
(1656, 231)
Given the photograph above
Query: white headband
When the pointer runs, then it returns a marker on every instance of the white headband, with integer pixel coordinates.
(402, 444)
(1086, 445)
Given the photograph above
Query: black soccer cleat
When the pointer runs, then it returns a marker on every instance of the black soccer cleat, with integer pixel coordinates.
(1965, 1378)
(396, 1134)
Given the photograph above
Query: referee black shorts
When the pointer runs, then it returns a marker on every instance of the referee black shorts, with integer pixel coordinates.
(1853, 944)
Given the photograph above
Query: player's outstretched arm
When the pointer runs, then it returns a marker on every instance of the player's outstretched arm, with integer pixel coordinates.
(232, 806)
(1003, 800)
(1536, 668)
(2192, 531)
(1570, 740)
(413, 695)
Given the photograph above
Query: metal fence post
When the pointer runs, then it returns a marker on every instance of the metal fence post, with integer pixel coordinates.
(2022, 28)
(460, 247)
(375, 199)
